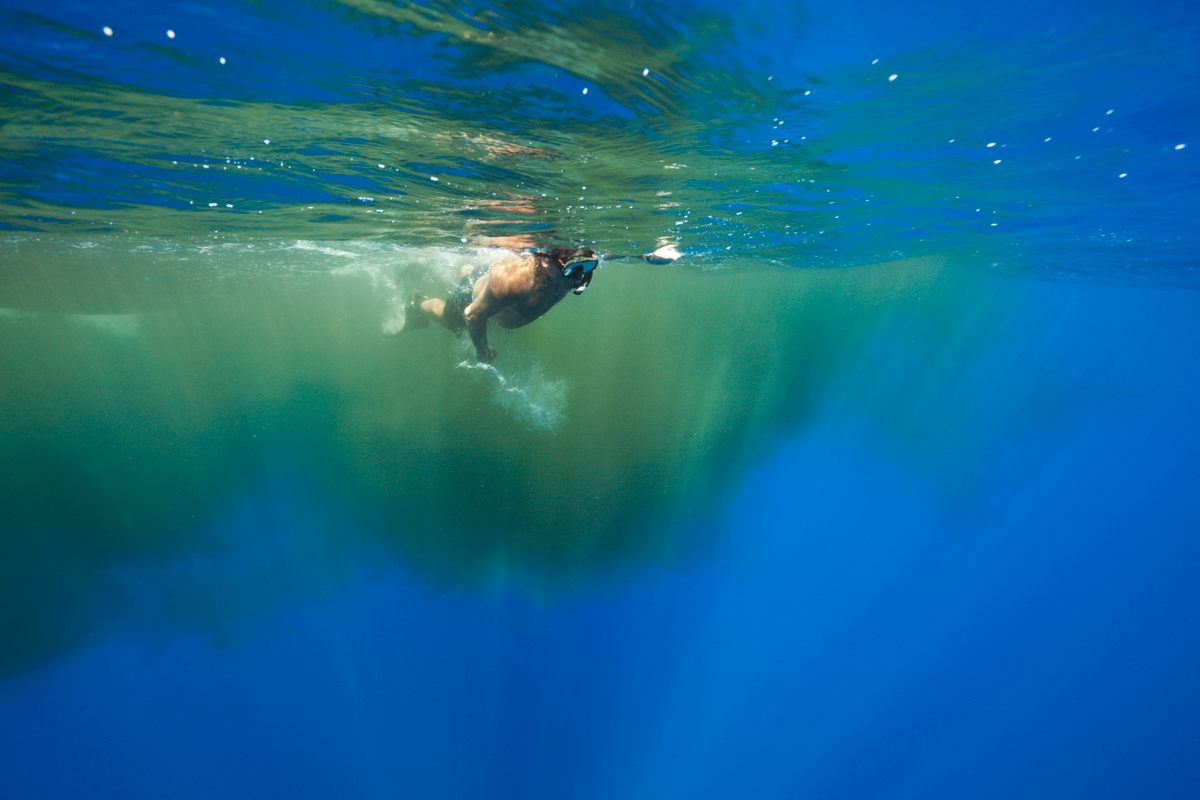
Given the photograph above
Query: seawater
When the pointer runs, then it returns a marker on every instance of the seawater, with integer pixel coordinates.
(884, 489)
(595, 429)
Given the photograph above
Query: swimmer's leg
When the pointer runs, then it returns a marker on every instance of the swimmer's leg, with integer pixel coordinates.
(441, 312)
(432, 308)
(448, 313)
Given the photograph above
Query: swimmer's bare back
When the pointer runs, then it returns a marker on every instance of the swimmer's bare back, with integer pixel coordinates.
(518, 289)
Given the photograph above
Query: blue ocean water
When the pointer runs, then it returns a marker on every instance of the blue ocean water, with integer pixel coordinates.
(945, 547)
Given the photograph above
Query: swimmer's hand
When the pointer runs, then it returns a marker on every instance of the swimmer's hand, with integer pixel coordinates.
(663, 255)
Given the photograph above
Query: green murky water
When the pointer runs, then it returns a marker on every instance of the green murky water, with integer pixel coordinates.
(151, 385)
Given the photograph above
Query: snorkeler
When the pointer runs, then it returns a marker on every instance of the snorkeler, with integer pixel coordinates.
(513, 291)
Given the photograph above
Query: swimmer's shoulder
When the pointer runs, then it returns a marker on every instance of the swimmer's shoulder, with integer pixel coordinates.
(515, 267)
(514, 261)
(512, 273)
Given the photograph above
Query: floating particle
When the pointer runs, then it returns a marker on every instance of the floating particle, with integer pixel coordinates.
(1180, 146)
(381, 166)
(952, 141)
(433, 178)
(1096, 129)
(997, 161)
(993, 224)
(893, 76)
(874, 61)
(991, 144)
(1123, 174)
(170, 34)
(212, 205)
(266, 141)
(1048, 138)
(1109, 112)
(221, 60)
(585, 90)
(107, 30)
(645, 71)
(807, 92)
(229, 205)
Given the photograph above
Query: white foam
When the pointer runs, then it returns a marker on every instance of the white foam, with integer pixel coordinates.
(395, 271)
(382, 277)
(323, 248)
(524, 390)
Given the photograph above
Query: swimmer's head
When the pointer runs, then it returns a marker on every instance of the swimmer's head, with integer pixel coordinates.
(577, 264)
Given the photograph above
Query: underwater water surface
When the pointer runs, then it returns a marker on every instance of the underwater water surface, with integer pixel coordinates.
(886, 488)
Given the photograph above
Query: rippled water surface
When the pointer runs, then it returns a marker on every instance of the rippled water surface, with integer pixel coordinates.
(884, 489)
(807, 135)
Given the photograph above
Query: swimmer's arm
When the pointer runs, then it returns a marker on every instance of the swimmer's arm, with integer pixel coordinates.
(506, 283)
(477, 315)
(478, 329)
